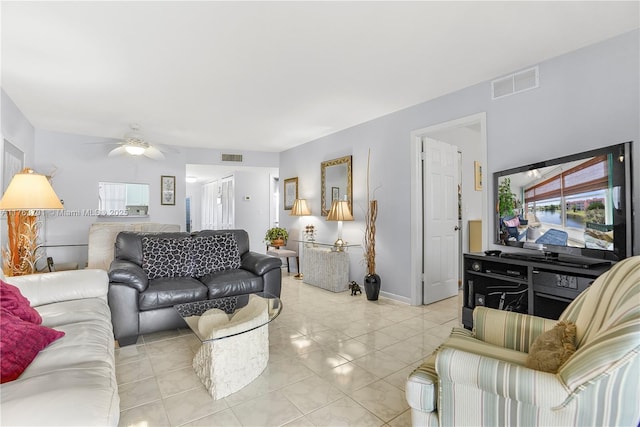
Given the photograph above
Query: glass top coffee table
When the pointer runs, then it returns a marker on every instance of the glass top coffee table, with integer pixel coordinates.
(235, 339)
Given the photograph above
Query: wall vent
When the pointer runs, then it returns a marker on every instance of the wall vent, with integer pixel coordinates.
(515, 83)
(232, 157)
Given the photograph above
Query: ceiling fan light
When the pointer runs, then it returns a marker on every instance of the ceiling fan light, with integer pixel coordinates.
(134, 150)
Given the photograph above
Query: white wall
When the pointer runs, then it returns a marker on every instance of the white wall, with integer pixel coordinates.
(80, 162)
(587, 99)
(252, 215)
(16, 129)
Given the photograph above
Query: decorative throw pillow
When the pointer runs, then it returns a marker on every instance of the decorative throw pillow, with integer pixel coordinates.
(12, 300)
(552, 348)
(167, 257)
(215, 253)
(514, 222)
(20, 343)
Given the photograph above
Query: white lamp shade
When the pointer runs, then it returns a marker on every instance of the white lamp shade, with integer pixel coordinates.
(340, 211)
(300, 208)
(28, 191)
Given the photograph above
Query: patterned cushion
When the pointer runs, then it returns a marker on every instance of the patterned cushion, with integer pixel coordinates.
(12, 300)
(20, 343)
(215, 253)
(167, 257)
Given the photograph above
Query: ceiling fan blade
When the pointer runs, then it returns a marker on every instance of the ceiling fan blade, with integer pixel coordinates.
(118, 151)
(153, 153)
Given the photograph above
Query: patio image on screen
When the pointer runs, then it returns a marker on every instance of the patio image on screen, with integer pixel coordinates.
(569, 204)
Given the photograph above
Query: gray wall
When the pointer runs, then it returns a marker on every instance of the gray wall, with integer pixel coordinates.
(587, 99)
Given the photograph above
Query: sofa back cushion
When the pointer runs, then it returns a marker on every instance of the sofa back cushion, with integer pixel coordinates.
(215, 253)
(241, 236)
(167, 256)
(128, 246)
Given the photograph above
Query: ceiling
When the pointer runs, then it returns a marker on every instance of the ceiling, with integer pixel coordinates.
(268, 76)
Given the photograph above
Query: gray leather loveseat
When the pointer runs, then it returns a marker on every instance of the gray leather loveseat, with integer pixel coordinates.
(152, 272)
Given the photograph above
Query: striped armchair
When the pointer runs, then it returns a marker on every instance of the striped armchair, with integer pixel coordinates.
(480, 378)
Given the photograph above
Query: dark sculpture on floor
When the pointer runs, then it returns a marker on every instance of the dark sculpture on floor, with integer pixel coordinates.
(355, 288)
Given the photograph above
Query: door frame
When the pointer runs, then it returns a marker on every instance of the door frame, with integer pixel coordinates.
(417, 232)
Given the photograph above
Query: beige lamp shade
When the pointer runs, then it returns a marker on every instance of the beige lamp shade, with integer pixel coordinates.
(300, 208)
(29, 191)
(340, 211)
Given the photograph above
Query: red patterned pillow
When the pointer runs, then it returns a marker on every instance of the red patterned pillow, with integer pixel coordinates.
(12, 300)
(20, 343)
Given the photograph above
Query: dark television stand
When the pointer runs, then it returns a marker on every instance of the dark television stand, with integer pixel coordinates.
(538, 285)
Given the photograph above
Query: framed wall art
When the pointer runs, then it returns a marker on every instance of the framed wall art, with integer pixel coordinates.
(335, 193)
(477, 174)
(167, 190)
(290, 192)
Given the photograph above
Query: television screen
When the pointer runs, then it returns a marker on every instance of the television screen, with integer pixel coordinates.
(577, 205)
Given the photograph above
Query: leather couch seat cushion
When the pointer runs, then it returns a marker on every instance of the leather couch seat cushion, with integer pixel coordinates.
(67, 312)
(43, 399)
(87, 341)
(169, 291)
(232, 282)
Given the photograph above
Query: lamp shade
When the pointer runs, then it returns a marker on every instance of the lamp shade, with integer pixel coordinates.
(27, 191)
(340, 211)
(300, 208)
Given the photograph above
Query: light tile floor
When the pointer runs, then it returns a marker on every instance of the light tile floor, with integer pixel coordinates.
(335, 360)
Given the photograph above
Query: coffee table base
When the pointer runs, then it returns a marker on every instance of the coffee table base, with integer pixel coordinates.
(227, 365)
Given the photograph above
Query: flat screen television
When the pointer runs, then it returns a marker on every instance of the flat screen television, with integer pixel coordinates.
(577, 205)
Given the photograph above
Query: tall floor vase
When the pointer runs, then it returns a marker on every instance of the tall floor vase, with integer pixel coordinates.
(372, 286)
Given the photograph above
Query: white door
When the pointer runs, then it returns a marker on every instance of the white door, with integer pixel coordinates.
(440, 220)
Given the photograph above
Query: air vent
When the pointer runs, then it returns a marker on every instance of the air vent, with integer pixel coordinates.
(515, 83)
(232, 157)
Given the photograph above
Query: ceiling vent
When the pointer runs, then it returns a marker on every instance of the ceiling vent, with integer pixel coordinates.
(232, 157)
(515, 83)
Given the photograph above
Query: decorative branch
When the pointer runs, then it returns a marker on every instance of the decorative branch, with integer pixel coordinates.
(370, 226)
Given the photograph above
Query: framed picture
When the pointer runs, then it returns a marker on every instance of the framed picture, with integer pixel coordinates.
(477, 175)
(13, 162)
(290, 192)
(335, 193)
(167, 190)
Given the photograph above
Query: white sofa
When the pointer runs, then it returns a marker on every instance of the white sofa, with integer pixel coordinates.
(72, 382)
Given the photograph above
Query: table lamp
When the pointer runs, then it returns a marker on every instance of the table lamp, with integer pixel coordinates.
(340, 212)
(27, 193)
(300, 208)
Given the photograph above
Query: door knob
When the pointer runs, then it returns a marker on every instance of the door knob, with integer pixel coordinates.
(456, 228)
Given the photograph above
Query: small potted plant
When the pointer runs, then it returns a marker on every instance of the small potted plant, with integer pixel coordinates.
(276, 236)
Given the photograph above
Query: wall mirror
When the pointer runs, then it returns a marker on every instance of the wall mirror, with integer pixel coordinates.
(123, 199)
(336, 182)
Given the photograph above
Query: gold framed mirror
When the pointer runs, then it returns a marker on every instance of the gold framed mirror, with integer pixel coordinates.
(336, 182)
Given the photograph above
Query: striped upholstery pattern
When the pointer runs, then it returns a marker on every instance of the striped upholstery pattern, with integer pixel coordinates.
(508, 329)
(480, 378)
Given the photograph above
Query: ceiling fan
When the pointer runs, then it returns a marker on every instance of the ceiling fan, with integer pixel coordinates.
(135, 145)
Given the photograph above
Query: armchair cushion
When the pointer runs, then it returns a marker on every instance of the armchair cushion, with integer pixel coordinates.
(167, 257)
(21, 341)
(15, 303)
(552, 348)
(215, 253)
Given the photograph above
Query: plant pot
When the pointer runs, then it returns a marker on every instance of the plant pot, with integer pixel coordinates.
(277, 242)
(372, 286)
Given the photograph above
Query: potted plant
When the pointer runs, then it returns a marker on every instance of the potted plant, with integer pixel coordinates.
(372, 279)
(276, 236)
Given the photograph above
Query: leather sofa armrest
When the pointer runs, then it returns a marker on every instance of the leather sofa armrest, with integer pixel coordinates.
(259, 264)
(128, 273)
(58, 286)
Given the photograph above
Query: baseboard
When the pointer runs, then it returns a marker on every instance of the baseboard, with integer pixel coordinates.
(396, 297)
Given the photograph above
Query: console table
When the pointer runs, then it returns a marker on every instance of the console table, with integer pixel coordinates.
(325, 268)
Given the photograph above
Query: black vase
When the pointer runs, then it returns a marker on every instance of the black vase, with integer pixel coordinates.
(372, 286)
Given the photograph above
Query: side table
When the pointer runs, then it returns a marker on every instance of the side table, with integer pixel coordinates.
(325, 268)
